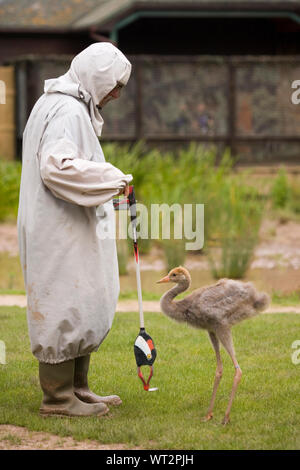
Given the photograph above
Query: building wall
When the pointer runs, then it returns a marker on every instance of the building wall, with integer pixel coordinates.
(7, 113)
(241, 102)
(14, 45)
(186, 83)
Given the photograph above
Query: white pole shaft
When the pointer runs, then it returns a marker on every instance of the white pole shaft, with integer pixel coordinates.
(138, 282)
(139, 291)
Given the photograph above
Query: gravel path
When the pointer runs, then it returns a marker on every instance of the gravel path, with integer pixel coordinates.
(132, 305)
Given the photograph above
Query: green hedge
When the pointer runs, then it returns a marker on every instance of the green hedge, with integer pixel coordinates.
(233, 207)
(10, 176)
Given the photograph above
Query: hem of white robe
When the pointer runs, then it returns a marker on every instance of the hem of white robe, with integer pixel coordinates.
(56, 360)
(66, 359)
(72, 356)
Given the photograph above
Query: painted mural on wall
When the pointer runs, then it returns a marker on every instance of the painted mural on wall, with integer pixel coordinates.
(185, 99)
(264, 104)
(189, 98)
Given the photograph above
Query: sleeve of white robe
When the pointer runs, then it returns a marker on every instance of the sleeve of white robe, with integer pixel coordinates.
(68, 171)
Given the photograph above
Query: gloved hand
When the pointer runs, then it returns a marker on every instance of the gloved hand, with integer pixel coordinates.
(125, 191)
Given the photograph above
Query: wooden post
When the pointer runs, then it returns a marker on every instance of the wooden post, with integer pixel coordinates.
(232, 108)
(7, 113)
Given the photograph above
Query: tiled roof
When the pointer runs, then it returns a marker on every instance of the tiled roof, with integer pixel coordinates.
(84, 13)
(41, 13)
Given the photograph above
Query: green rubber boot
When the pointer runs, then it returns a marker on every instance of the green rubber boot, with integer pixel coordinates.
(81, 387)
(59, 399)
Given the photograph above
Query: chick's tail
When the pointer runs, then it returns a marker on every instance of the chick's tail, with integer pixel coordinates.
(262, 301)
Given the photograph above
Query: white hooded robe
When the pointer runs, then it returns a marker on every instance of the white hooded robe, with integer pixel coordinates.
(70, 271)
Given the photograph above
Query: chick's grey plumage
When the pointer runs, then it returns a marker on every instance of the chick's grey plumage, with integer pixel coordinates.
(225, 303)
(216, 309)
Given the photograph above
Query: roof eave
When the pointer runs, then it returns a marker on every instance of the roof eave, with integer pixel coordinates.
(108, 21)
(16, 29)
(115, 15)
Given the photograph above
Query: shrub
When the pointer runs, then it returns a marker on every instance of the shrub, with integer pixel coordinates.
(294, 203)
(122, 251)
(232, 214)
(236, 214)
(10, 176)
(280, 190)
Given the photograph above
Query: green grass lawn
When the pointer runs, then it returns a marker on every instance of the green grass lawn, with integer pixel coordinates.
(11, 277)
(265, 414)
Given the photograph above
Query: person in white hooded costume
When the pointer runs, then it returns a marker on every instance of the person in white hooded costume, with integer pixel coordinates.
(70, 272)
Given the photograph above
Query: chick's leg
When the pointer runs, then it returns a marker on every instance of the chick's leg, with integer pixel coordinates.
(226, 339)
(218, 376)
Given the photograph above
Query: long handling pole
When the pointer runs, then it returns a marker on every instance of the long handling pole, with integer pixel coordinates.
(143, 336)
(132, 206)
(138, 277)
(144, 349)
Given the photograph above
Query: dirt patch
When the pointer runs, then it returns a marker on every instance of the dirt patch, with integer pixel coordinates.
(13, 300)
(18, 438)
(9, 239)
(279, 246)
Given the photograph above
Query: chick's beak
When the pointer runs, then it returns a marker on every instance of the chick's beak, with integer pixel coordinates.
(164, 279)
